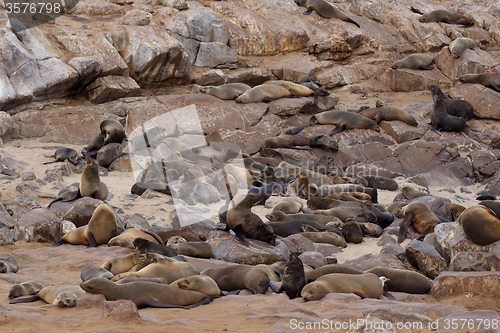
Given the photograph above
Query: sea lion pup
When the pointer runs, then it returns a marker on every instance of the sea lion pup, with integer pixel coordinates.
(263, 93)
(279, 216)
(124, 263)
(235, 277)
(343, 120)
(384, 219)
(187, 235)
(245, 224)
(267, 190)
(324, 9)
(446, 17)
(344, 189)
(420, 216)
(143, 245)
(352, 232)
(90, 272)
(24, 289)
(480, 224)
(146, 294)
(94, 145)
(163, 268)
(293, 278)
(414, 61)
(490, 80)
(454, 107)
(63, 154)
(100, 229)
(194, 249)
(90, 184)
(9, 264)
(389, 113)
(62, 296)
(112, 131)
(410, 193)
(459, 45)
(401, 280)
(364, 285)
(442, 121)
(200, 283)
(333, 268)
(226, 91)
(342, 213)
(126, 238)
(290, 205)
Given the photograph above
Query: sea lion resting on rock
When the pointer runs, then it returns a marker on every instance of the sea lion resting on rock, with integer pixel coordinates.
(324, 9)
(442, 120)
(226, 91)
(420, 216)
(294, 88)
(414, 61)
(62, 296)
(389, 113)
(480, 225)
(490, 80)
(447, 17)
(235, 277)
(126, 238)
(459, 45)
(263, 93)
(454, 107)
(146, 294)
(201, 283)
(343, 120)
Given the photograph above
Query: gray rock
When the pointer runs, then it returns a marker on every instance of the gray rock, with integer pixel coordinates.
(412, 79)
(313, 259)
(81, 211)
(177, 4)
(137, 17)
(303, 244)
(469, 261)
(108, 154)
(122, 310)
(369, 261)
(67, 226)
(214, 55)
(326, 249)
(137, 221)
(8, 128)
(461, 283)
(485, 101)
(426, 258)
(6, 236)
(111, 87)
(38, 225)
(88, 68)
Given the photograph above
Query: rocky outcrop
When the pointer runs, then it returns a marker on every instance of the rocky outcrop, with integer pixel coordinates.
(470, 62)
(412, 79)
(38, 225)
(485, 101)
(460, 283)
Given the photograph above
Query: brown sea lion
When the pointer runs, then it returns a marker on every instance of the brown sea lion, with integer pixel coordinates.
(401, 280)
(490, 80)
(333, 268)
(352, 232)
(100, 229)
(63, 154)
(94, 145)
(24, 289)
(163, 268)
(324, 237)
(294, 88)
(420, 216)
(343, 213)
(263, 93)
(144, 246)
(290, 205)
(442, 121)
(279, 216)
(414, 61)
(200, 283)
(112, 131)
(146, 294)
(193, 249)
(480, 224)
(187, 235)
(287, 228)
(324, 9)
(236, 277)
(410, 193)
(226, 91)
(389, 113)
(446, 17)
(454, 107)
(364, 285)
(124, 263)
(459, 45)
(288, 141)
(62, 296)
(90, 272)
(343, 120)
(293, 277)
(245, 224)
(126, 238)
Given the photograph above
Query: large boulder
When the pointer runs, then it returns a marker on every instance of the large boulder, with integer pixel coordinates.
(470, 62)
(111, 87)
(462, 283)
(38, 225)
(485, 101)
(412, 79)
(426, 258)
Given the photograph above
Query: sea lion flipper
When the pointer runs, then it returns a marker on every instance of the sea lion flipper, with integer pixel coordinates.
(388, 295)
(427, 67)
(353, 22)
(403, 227)
(366, 231)
(155, 304)
(91, 241)
(336, 130)
(275, 288)
(77, 196)
(49, 162)
(360, 294)
(295, 130)
(316, 100)
(58, 243)
(300, 147)
(308, 11)
(96, 195)
(242, 238)
(29, 299)
(494, 87)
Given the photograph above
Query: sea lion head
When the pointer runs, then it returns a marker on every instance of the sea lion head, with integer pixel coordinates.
(16, 291)
(313, 291)
(464, 78)
(276, 216)
(91, 163)
(434, 89)
(424, 18)
(313, 121)
(66, 300)
(397, 64)
(374, 126)
(96, 285)
(257, 281)
(73, 157)
(175, 240)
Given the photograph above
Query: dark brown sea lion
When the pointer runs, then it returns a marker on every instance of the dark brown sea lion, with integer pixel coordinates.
(459, 45)
(112, 131)
(63, 154)
(446, 17)
(343, 120)
(480, 224)
(143, 246)
(401, 280)
(288, 141)
(324, 9)
(454, 107)
(237, 277)
(490, 80)
(420, 216)
(352, 232)
(333, 268)
(293, 278)
(146, 294)
(414, 61)
(245, 224)
(442, 121)
(287, 228)
(389, 113)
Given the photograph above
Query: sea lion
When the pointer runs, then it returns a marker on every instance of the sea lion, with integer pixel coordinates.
(90, 272)
(454, 107)
(126, 238)
(94, 145)
(401, 280)
(446, 17)
(201, 283)
(293, 278)
(63, 154)
(420, 216)
(279, 216)
(263, 93)
(414, 61)
(344, 189)
(290, 205)
(324, 237)
(480, 224)
(459, 45)
(287, 228)
(333, 268)
(124, 263)
(294, 88)
(163, 268)
(226, 91)
(187, 235)
(371, 229)
(112, 131)
(100, 229)
(302, 187)
(62, 296)
(490, 80)
(342, 213)
(364, 285)
(245, 224)
(24, 289)
(143, 245)
(235, 277)
(381, 183)
(384, 219)
(352, 232)
(146, 294)
(324, 9)
(324, 142)
(288, 141)
(194, 249)
(456, 208)
(410, 193)
(389, 113)
(442, 121)
(494, 205)
(343, 120)
(9, 264)
(395, 206)
(176, 240)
